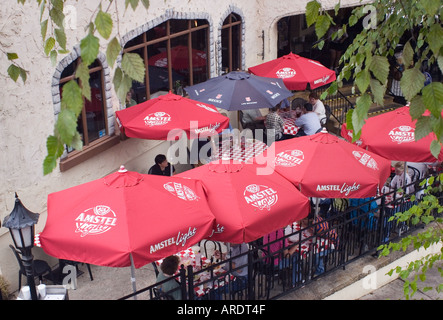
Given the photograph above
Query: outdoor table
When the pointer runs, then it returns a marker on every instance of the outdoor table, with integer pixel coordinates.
(240, 151)
(318, 243)
(290, 127)
(289, 120)
(188, 257)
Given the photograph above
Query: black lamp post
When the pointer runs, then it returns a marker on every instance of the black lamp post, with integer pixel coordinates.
(20, 223)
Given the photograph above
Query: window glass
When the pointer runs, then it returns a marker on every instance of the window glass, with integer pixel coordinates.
(182, 41)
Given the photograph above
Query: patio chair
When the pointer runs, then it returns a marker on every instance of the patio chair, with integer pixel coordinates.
(39, 268)
(75, 264)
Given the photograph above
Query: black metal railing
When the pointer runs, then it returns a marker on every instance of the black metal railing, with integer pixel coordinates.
(338, 103)
(348, 229)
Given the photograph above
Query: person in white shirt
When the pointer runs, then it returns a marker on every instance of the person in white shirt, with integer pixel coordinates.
(317, 106)
(399, 180)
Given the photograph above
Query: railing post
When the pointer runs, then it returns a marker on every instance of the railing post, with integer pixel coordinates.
(183, 282)
(382, 220)
(251, 282)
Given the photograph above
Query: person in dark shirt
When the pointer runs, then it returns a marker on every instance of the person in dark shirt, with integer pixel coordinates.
(161, 167)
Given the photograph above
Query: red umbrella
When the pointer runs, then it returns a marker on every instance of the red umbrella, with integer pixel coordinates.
(179, 58)
(164, 117)
(392, 136)
(296, 72)
(247, 202)
(325, 166)
(126, 216)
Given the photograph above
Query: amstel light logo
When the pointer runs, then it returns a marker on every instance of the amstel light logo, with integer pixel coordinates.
(261, 197)
(94, 221)
(402, 134)
(181, 191)
(157, 119)
(289, 158)
(286, 72)
(365, 159)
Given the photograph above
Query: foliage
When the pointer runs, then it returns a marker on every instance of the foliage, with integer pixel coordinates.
(53, 33)
(424, 212)
(366, 60)
(4, 288)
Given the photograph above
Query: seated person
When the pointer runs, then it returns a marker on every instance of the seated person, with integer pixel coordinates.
(161, 167)
(308, 122)
(274, 124)
(241, 262)
(252, 119)
(400, 180)
(317, 106)
(168, 268)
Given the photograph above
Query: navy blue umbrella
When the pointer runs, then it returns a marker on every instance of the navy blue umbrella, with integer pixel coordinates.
(239, 90)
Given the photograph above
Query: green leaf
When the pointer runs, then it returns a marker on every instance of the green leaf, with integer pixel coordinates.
(66, 125)
(49, 45)
(82, 73)
(408, 54)
(133, 3)
(362, 80)
(44, 28)
(77, 142)
(57, 15)
(412, 82)
(378, 91)
(54, 146)
(416, 107)
(380, 68)
(23, 74)
(145, 3)
(13, 72)
(133, 66)
(312, 9)
(49, 164)
(12, 56)
(122, 84)
(422, 127)
(434, 38)
(89, 48)
(53, 56)
(433, 98)
(113, 51)
(60, 36)
(431, 6)
(322, 25)
(72, 97)
(103, 22)
(360, 113)
(435, 148)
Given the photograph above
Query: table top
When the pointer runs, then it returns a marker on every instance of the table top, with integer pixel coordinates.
(238, 150)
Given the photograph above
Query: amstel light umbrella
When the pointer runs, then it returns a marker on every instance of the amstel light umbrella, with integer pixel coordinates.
(392, 136)
(126, 219)
(239, 90)
(165, 117)
(325, 166)
(248, 200)
(296, 72)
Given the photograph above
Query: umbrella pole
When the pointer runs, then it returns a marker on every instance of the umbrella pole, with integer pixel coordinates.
(134, 286)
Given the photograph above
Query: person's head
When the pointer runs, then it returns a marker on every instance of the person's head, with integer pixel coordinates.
(169, 265)
(313, 97)
(399, 168)
(307, 107)
(160, 159)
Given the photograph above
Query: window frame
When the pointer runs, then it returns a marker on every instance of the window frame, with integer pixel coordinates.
(75, 157)
(168, 37)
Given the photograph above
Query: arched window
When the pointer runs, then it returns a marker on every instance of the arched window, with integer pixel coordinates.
(175, 54)
(95, 122)
(231, 37)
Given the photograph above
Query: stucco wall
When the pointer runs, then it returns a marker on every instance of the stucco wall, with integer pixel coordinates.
(27, 110)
